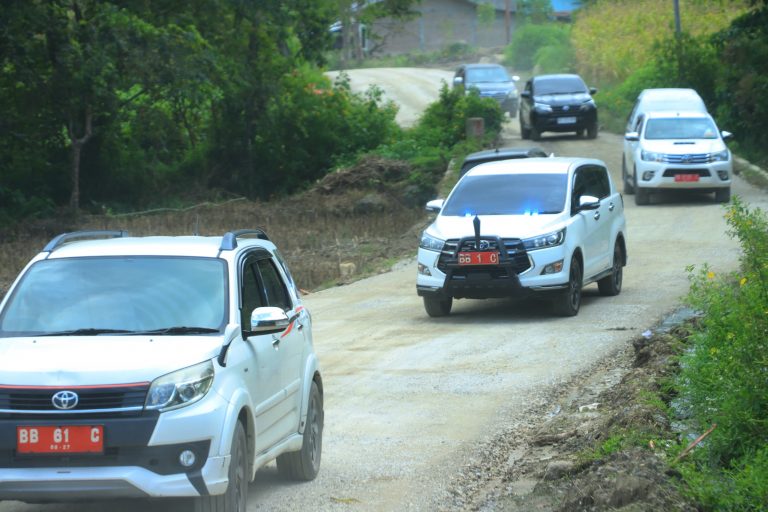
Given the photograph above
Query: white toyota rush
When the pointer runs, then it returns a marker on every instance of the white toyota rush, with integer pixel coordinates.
(155, 367)
(516, 227)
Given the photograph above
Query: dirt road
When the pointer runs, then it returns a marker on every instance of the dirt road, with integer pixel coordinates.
(409, 399)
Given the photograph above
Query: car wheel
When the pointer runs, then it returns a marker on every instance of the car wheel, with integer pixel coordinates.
(305, 464)
(723, 195)
(611, 285)
(435, 306)
(525, 133)
(592, 131)
(628, 186)
(235, 497)
(535, 133)
(568, 301)
(642, 195)
(580, 132)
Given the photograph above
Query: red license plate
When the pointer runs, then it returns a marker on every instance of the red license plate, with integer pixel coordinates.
(60, 439)
(479, 258)
(686, 177)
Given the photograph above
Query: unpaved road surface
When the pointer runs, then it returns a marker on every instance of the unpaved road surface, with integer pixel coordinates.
(411, 400)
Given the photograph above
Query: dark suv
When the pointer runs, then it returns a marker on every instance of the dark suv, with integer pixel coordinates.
(557, 103)
(491, 81)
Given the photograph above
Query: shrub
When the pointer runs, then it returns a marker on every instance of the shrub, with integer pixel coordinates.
(520, 54)
(724, 376)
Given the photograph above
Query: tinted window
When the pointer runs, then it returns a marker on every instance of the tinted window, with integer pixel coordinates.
(252, 292)
(489, 74)
(680, 128)
(560, 85)
(122, 293)
(590, 181)
(507, 194)
(274, 288)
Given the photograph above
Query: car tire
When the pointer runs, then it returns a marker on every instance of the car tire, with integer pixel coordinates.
(235, 497)
(723, 195)
(437, 307)
(642, 195)
(592, 131)
(303, 465)
(568, 301)
(628, 185)
(610, 285)
(535, 133)
(580, 132)
(525, 133)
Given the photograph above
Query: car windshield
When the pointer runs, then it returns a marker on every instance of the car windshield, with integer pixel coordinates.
(121, 295)
(508, 194)
(487, 74)
(680, 128)
(560, 85)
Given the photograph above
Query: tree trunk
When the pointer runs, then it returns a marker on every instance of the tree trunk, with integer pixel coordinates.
(77, 148)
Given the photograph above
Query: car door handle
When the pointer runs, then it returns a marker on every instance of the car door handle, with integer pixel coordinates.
(597, 215)
(611, 206)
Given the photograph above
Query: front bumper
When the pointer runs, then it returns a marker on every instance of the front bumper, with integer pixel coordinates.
(661, 175)
(564, 121)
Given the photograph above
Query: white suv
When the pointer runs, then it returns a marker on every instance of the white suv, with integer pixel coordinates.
(676, 150)
(155, 367)
(515, 227)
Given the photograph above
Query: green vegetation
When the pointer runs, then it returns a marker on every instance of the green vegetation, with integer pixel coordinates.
(544, 47)
(724, 376)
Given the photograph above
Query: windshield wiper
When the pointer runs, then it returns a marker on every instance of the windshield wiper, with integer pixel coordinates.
(91, 331)
(181, 329)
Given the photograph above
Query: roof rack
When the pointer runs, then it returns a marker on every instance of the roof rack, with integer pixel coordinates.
(78, 235)
(229, 240)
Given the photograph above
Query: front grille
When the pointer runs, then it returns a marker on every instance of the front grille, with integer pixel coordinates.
(30, 400)
(497, 95)
(695, 158)
(513, 247)
(566, 110)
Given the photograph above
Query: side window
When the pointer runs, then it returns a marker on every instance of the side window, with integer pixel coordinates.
(529, 86)
(639, 123)
(274, 288)
(590, 181)
(252, 295)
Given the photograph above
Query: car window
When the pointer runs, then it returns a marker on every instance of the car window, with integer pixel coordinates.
(507, 194)
(680, 128)
(590, 181)
(487, 74)
(274, 288)
(639, 123)
(252, 292)
(560, 85)
(118, 293)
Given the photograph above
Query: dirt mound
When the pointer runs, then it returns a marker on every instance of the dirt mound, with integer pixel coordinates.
(370, 173)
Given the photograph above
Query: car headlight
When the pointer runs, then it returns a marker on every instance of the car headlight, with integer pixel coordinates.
(180, 388)
(512, 93)
(542, 107)
(431, 243)
(541, 242)
(650, 156)
(587, 105)
(722, 156)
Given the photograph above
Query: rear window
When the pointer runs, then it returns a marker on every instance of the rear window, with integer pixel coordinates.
(508, 194)
(680, 128)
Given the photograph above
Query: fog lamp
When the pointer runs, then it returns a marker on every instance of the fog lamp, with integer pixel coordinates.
(648, 175)
(424, 270)
(553, 268)
(723, 175)
(187, 458)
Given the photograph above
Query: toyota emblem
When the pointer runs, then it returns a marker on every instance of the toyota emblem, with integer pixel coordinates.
(64, 400)
(484, 245)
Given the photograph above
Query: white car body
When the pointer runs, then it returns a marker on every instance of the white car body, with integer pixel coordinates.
(254, 385)
(591, 236)
(698, 161)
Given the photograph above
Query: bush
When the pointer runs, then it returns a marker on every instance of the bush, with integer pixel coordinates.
(724, 376)
(520, 54)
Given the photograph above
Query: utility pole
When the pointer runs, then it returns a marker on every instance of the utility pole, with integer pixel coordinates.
(678, 30)
(507, 19)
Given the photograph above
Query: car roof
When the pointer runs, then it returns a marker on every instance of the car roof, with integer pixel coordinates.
(659, 114)
(188, 246)
(502, 153)
(539, 165)
(556, 76)
(668, 92)
(482, 65)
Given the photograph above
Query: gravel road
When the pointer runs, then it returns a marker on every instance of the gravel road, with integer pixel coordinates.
(409, 399)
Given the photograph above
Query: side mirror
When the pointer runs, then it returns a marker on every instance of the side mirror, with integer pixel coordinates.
(525, 94)
(726, 135)
(458, 81)
(593, 91)
(588, 203)
(632, 136)
(515, 78)
(435, 205)
(269, 319)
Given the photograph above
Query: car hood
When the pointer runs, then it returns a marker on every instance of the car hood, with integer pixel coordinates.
(504, 226)
(97, 360)
(684, 147)
(556, 100)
